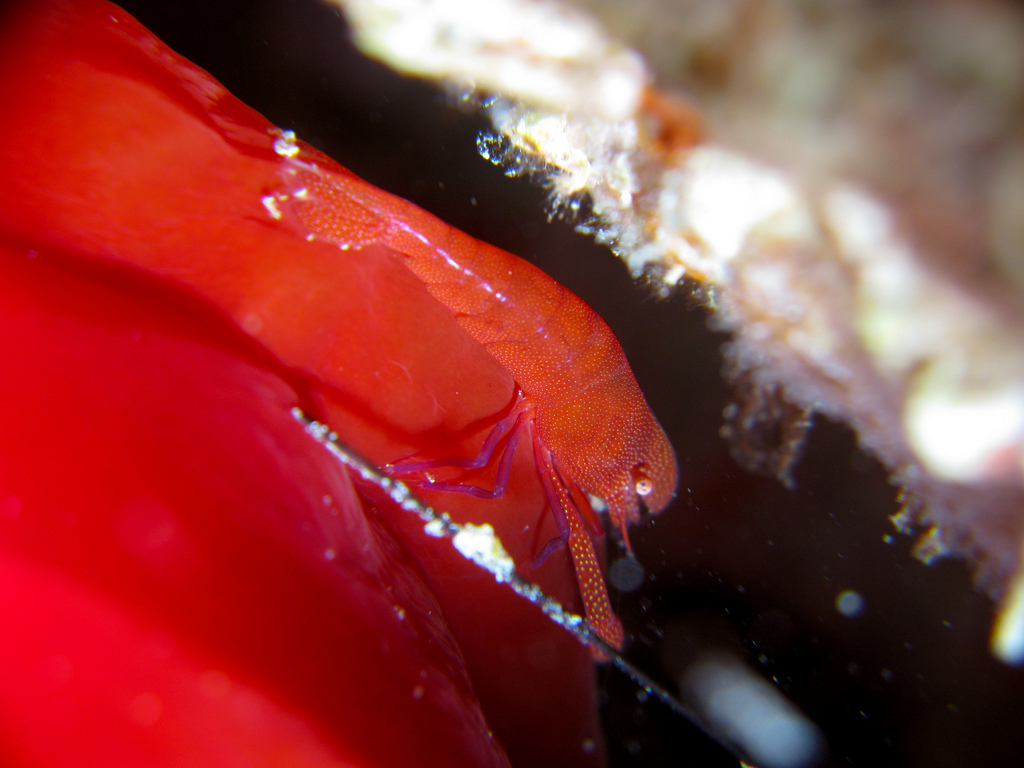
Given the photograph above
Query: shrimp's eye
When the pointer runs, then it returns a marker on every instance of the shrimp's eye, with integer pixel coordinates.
(643, 484)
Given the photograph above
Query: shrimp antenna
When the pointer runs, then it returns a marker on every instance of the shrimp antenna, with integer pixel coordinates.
(480, 544)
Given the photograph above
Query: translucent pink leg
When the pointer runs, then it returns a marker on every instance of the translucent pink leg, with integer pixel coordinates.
(504, 464)
(512, 424)
(480, 460)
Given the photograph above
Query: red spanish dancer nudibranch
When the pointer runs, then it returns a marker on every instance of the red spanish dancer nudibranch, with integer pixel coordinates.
(210, 564)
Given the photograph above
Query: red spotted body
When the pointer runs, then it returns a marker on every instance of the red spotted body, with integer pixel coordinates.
(592, 428)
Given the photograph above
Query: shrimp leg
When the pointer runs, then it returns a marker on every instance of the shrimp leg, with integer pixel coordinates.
(596, 605)
(500, 480)
(480, 460)
(511, 424)
(554, 504)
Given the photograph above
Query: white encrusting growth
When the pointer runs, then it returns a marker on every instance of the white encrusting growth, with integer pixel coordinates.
(480, 544)
(717, 198)
(286, 145)
(963, 435)
(532, 49)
